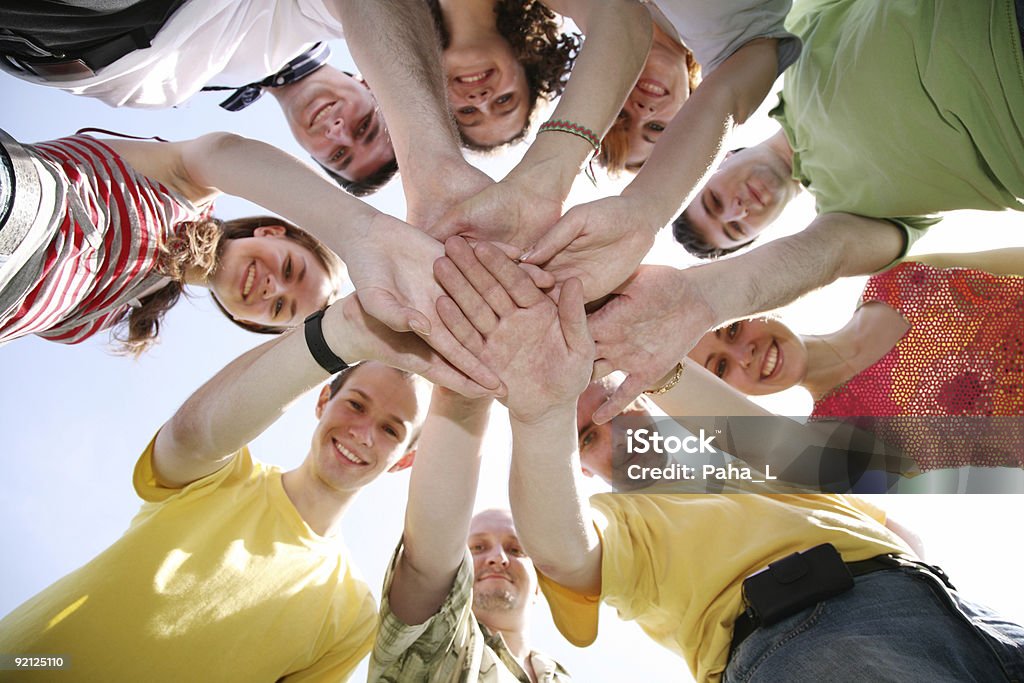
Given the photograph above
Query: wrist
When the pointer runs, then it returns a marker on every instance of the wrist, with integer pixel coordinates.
(339, 331)
(552, 164)
(709, 295)
(544, 416)
(655, 209)
(459, 408)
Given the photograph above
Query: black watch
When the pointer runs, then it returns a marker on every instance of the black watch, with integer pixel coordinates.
(318, 347)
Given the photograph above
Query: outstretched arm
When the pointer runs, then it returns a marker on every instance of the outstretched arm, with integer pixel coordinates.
(544, 354)
(617, 232)
(244, 398)
(528, 201)
(661, 312)
(394, 285)
(397, 50)
(792, 449)
(442, 489)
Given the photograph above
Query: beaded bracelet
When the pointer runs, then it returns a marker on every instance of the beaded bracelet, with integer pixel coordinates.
(674, 380)
(576, 129)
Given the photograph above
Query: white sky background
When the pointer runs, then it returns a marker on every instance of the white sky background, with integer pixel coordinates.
(74, 419)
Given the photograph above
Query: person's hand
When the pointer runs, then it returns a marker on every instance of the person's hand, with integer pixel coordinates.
(348, 326)
(436, 191)
(392, 274)
(655, 319)
(600, 242)
(542, 351)
(515, 211)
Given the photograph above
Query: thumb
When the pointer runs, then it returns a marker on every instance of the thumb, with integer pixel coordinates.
(382, 305)
(627, 392)
(572, 316)
(556, 239)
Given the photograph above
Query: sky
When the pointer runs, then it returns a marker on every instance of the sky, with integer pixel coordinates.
(75, 419)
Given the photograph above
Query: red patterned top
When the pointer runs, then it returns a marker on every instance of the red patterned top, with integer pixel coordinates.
(947, 389)
(106, 250)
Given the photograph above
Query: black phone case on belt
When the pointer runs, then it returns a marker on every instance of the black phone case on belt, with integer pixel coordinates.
(796, 582)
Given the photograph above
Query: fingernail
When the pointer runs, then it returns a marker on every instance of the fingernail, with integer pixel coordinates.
(526, 256)
(418, 327)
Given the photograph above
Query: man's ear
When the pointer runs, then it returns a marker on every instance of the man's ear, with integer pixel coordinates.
(404, 462)
(322, 399)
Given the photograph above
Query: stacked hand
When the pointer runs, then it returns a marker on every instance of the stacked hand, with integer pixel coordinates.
(394, 282)
(347, 325)
(513, 211)
(541, 351)
(601, 243)
(655, 319)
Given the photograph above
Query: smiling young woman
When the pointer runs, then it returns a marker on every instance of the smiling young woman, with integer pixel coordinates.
(940, 342)
(501, 57)
(120, 233)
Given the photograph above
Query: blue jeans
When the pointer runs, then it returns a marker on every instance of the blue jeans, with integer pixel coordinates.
(894, 625)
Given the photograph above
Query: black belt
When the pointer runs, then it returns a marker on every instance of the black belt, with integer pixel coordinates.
(747, 622)
(85, 61)
(106, 37)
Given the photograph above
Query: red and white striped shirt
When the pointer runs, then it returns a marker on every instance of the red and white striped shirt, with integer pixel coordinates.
(104, 254)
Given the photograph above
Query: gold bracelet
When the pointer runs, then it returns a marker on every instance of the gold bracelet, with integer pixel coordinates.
(674, 380)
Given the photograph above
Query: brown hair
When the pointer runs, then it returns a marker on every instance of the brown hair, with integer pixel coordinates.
(195, 250)
(615, 146)
(368, 185)
(546, 54)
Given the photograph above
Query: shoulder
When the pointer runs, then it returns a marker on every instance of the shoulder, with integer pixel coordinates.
(441, 644)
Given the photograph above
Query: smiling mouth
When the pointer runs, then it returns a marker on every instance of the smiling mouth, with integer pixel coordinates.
(250, 278)
(771, 361)
(473, 79)
(321, 113)
(347, 454)
(652, 88)
(756, 195)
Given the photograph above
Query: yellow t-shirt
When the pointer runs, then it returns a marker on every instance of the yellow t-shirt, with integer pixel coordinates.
(219, 581)
(676, 563)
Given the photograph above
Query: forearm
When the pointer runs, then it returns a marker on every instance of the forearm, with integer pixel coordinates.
(618, 38)
(443, 484)
(234, 407)
(398, 53)
(688, 148)
(243, 399)
(747, 431)
(700, 393)
(779, 272)
(279, 182)
(552, 517)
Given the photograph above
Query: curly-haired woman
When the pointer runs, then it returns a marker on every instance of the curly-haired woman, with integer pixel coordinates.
(500, 57)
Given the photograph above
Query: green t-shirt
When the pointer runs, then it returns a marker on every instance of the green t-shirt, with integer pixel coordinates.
(898, 109)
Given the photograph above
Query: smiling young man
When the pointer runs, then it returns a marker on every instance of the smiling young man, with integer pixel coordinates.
(234, 570)
(938, 149)
(334, 116)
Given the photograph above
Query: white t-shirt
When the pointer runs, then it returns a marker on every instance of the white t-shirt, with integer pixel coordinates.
(209, 42)
(713, 31)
